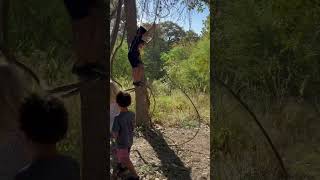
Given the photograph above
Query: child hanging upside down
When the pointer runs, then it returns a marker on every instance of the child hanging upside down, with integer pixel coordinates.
(134, 54)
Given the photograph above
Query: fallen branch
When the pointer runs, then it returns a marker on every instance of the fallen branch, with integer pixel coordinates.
(285, 173)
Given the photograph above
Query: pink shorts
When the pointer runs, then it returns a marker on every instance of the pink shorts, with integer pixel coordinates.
(123, 155)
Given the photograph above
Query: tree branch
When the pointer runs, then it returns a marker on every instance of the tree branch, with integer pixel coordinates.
(246, 107)
(4, 42)
(131, 19)
(116, 50)
(115, 29)
(4, 9)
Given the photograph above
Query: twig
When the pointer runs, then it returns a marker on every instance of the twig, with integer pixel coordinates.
(140, 156)
(117, 48)
(195, 108)
(115, 29)
(285, 173)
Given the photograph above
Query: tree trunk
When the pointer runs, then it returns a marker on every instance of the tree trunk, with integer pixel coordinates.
(142, 101)
(4, 9)
(131, 17)
(95, 104)
(115, 29)
(213, 97)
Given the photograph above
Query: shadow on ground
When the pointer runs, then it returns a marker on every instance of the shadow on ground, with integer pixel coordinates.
(171, 165)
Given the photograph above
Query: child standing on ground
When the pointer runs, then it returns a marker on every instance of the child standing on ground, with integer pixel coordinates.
(44, 122)
(122, 131)
(134, 54)
(114, 109)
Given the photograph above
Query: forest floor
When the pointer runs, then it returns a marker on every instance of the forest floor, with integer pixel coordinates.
(155, 157)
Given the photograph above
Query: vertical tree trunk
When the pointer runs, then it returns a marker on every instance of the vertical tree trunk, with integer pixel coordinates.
(142, 101)
(95, 105)
(4, 9)
(115, 29)
(213, 96)
(131, 17)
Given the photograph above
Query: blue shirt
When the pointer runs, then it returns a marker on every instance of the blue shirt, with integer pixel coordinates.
(58, 168)
(123, 125)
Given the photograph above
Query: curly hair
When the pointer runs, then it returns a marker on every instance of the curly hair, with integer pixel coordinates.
(123, 99)
(43, 120)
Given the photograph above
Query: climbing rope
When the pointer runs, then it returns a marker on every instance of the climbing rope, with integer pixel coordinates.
(195, 108)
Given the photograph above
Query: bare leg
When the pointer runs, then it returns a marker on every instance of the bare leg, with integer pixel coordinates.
(131, 168)
(140, 72)
(135, 74)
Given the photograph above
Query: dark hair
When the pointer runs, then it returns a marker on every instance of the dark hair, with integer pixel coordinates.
(43, 120)
(123, 99)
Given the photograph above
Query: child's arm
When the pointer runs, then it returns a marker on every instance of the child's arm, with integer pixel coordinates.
(115, 135)
(149, 32)
(115, 128)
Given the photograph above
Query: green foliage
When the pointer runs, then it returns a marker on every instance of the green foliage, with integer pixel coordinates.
(39, 33)
(121, 67)
(171, 32)
(199, 5)
(183, 55)
(189, 65)
(35, 24)
(151, 55)
(40, 36)
(190, 37)
(270, 51)
(272, 46)
(175, 110)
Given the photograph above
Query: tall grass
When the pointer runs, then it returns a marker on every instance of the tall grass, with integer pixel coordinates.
(242, 152)
(173, 108)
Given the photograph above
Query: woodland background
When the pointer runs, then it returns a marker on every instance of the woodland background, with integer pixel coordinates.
(267, 52)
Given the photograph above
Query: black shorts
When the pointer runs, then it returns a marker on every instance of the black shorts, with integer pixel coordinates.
(134, 60)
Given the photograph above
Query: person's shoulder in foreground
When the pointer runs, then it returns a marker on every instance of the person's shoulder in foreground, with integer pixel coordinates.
(58, 167)
(44, 122)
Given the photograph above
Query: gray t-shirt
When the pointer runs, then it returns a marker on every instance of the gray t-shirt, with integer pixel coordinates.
(60, 167)
(123, 125)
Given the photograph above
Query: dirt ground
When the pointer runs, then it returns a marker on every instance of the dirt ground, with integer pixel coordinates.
(156, 158)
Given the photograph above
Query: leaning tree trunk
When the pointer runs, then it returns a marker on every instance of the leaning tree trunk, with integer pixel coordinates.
(142, 101)
(4, 10)
(94, 96)
(116, 26)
